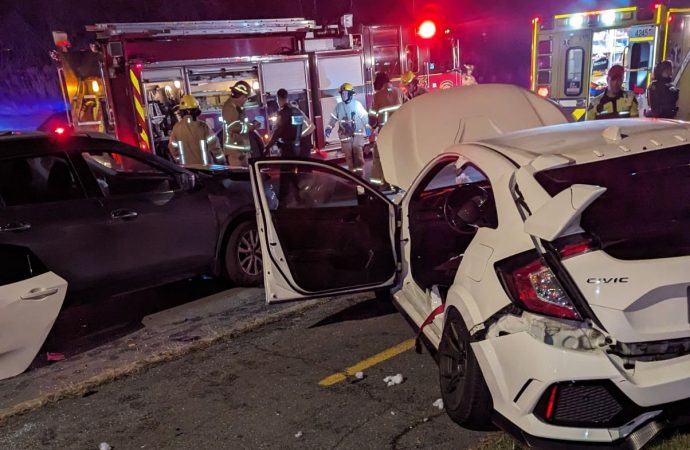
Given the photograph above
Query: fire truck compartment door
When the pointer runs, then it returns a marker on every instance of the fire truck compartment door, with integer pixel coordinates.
(334, 71)
(289, 75)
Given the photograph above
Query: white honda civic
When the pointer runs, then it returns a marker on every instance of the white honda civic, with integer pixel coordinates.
(547, 263)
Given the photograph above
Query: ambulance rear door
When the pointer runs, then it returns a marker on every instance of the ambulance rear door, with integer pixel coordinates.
(566, 73)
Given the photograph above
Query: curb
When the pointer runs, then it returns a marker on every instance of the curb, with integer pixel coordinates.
(152, 360)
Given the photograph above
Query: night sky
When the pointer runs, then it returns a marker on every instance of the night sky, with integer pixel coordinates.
(494, 34)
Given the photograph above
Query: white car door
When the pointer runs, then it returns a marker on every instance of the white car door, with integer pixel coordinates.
(323, 230)
(28, 309)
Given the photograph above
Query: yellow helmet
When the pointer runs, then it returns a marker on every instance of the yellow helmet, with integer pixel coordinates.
(407, 77)
(347, 87)
(189, 102)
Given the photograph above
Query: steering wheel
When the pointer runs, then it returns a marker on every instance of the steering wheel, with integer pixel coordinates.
(464, 207)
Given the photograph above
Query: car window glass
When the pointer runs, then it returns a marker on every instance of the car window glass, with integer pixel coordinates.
(305, 187)
(574, 70)
(40, 179)
(118, 174)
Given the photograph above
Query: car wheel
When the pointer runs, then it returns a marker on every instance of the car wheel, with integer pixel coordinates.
(466, 397)
(243, 263)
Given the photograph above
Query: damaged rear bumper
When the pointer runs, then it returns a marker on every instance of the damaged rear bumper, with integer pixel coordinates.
(534, 365)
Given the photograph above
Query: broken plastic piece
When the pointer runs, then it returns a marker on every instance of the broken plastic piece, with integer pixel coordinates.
(52, 357)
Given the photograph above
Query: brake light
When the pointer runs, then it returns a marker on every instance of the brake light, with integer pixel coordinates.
(534, 287)
(575, 245)
(59, 130)
(552, 402)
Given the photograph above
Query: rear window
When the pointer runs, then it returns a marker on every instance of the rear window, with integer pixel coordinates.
(645, 211)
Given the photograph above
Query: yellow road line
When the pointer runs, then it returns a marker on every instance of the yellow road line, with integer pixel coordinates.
(369, 362)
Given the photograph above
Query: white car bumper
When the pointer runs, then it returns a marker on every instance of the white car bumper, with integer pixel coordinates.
(596, 401)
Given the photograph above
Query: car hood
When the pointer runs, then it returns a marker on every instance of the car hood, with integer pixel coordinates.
(424, 127)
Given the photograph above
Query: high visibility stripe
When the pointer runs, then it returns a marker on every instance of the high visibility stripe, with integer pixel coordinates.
(210, 138)
(140, 109)
(135, 81)
(204, 156)
(145, 137)
(578, 113)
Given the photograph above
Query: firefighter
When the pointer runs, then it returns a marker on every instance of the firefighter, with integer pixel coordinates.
(411, 85)
(387, 100)
(662, 95)
(239, 134)
(191, 140)
(353, 127)
(614, 102)
(289, 127)
(467, 77)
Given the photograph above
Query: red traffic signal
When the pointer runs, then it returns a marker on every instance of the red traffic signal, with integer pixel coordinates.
(427, 29)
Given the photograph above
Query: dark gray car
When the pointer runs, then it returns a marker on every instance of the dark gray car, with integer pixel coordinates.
(109, 218)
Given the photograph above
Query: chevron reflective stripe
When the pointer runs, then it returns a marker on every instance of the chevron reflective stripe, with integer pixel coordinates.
(211, 138)
(144, 141)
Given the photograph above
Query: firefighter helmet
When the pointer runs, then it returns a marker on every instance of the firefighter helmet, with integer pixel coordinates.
(408, 77)
(241, 88)
(188, 102)
(346, 87)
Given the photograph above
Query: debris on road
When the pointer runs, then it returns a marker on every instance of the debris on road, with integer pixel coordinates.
(53, 357)
(359, 375)
(393, 380)
(104, 446)
(298, 434)
(439, 404)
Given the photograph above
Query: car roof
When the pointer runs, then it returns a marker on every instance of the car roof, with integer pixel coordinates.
(45, 143)
(584, 142)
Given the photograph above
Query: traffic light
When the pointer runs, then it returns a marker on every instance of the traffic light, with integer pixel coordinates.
(427, 29)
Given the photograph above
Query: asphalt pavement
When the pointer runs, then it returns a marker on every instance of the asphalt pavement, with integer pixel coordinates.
(285, 384)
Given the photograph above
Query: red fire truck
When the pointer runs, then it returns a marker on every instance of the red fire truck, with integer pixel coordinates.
(133, 75)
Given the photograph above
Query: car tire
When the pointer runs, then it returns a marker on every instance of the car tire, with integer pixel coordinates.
(466, 397)
(243, 264)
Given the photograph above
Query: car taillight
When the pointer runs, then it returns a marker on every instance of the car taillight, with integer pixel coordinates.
(537, 289)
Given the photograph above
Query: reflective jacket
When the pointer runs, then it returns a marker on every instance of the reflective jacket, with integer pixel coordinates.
(193, 142)
(352, 120)
(621, 106)
(386, 102)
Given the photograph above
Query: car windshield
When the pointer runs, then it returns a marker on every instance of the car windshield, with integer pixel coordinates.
(645, 211)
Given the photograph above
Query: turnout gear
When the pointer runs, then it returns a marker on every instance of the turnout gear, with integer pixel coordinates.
(386, 102)
(236, 129)
(193, 142)
(347, 92)
(353, 127)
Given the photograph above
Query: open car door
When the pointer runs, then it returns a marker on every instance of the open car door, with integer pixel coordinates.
(30, 300)
(323, 230)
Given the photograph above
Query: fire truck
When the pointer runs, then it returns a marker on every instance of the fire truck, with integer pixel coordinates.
(134, 74)
(571, 53)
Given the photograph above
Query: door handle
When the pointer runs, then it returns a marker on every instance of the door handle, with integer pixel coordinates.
(39, 293)
(124, 214)
(15, 226)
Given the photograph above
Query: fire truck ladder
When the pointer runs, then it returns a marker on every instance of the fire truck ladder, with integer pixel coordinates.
(211, 27)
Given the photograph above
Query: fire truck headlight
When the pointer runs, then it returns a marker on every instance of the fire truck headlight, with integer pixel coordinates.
(608, 17)
(576, 21)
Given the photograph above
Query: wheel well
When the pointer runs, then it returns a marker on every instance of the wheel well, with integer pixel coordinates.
(245, 216)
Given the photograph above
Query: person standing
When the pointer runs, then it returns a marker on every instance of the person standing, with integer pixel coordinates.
(662, 95)
(353, 127)
(615, 102)
(289, 127)
(237, 129)
(192, 141)
(411, 84)
(387, 100)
